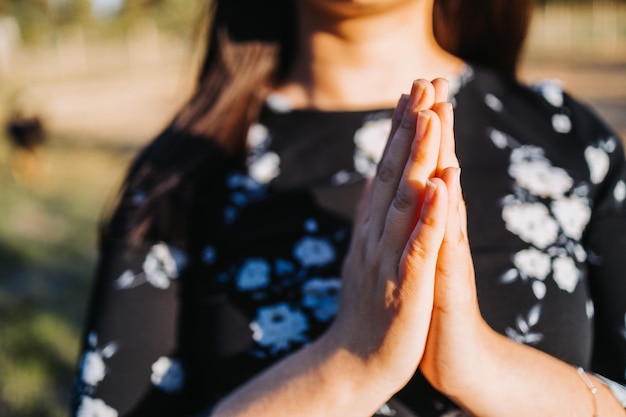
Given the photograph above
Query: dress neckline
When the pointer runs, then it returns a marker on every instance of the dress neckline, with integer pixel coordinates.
(279, 103)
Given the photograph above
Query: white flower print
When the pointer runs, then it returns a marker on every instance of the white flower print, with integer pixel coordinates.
(341, 177)
(510, 276)
(610, 144)
(500, 139)
(312, 251)
(254, 274)
(370, 142)
(573, 214)
(493, 102)
(162, 264)
(322, 296)
(591, 310)
(531, 222)
(385, 410)
(522, 333)
(456, 83)
(92, 366)
(265, 168)
(277, 327)
(94, 407)
(279, 103)
(619, 192)
(579, 252)
(168, 375)
(258, 136)
(561, 123)
(126, 280)
(552, 91)
(598, 162)
(565, 273)
(539, 289)
(534, 172)
(533, 263)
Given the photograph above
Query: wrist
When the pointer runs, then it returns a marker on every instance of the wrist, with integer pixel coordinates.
(360, 379)
(465, 374)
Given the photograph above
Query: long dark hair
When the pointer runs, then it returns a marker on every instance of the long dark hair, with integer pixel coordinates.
(250, 47)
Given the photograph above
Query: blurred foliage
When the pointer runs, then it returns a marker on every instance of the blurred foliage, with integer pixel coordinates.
(48, 226)
(38, 19)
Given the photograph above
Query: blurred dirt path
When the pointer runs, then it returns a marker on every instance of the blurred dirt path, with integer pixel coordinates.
(127, 108)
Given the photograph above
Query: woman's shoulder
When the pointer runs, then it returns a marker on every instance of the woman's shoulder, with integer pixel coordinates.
(176, 152)
(162, 183)
(543, 104)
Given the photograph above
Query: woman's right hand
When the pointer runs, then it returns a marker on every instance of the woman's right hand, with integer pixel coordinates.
(388, 275)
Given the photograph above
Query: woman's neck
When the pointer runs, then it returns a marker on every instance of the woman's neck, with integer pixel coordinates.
(363, 56)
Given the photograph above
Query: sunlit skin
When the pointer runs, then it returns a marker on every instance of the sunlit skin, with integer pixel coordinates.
(408, 295)
(363, 61)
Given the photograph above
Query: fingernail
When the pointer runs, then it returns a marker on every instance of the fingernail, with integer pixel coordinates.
(457, 180)
(429, 194)
(399, 110)
(417, 91)
(449, 111)
(423, 121)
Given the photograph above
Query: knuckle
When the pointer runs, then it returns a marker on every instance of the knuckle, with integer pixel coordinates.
(416, 251)
(404, 198)
(429, 222)
(407, 124)
(386, 171)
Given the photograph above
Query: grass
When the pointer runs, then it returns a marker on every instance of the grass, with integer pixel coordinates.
(48, 238)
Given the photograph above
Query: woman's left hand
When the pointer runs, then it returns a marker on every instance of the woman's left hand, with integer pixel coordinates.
(457, 330)
(484, 372)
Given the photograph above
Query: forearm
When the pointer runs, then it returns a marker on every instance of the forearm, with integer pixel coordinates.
(320, 379)
(517, 380)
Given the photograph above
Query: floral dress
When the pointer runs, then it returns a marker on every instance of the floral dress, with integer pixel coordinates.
(179, 325)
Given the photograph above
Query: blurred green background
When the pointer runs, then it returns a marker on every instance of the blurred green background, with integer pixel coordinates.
(103, 77)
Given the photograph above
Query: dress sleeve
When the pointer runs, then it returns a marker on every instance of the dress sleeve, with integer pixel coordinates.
(128, 364)
(605, 240)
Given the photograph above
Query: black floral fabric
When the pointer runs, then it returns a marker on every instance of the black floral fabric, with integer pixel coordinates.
(176, 327)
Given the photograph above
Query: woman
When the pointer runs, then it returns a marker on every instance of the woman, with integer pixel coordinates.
(220, 273)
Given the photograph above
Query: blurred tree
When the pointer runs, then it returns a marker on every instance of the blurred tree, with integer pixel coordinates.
(31, 15)
(67, 12)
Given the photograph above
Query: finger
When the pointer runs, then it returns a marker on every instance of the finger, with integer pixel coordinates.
(442, 88)
(392, 165)
(424, 155)
(455, 286)
(406, 205)
(454, 231)
(419, 259)
(396, 119)
(447, 154)
(361, 207)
